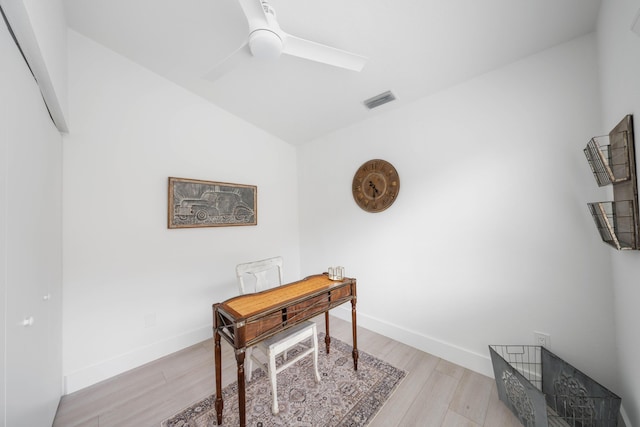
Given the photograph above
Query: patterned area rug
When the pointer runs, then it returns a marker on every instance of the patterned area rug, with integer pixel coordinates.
(343, 397)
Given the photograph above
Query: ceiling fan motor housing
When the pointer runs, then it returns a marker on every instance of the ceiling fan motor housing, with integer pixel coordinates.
(265, 44)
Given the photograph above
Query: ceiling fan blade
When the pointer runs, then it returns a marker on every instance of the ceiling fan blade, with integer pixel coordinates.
(227, 64)
(254, 12)
(317, 52)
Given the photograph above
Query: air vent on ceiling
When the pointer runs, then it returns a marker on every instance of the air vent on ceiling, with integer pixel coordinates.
(378, 100)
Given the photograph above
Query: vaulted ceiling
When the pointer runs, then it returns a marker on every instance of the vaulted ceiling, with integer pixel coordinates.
(414, 48)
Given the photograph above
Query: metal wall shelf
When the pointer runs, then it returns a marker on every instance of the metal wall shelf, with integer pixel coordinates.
(612, 161)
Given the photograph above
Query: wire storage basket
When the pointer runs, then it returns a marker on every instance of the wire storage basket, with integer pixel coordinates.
(542, 390)
(609, 163)
(616, 222)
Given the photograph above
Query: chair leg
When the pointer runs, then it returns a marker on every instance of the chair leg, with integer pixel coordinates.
(315, 354)
(248, 364)
(274, 386)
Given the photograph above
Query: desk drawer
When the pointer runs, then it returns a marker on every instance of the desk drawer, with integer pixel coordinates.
(263, 326)
(340, 293)
(318, 304)
(309, 308)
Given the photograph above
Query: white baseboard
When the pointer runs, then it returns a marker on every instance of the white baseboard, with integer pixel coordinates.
(450, 352)
(82, 378)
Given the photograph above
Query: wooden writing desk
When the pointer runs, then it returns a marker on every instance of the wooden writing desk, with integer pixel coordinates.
(248, 319)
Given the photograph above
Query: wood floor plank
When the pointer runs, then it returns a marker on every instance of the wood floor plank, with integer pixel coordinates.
(472, 396)
(163, 401)
(376, 345)
(418, 369)
(453, 419)
(497, 413)
(431, 403)
(94, 422)
(398, 354)
(107, 395)
(451, 369)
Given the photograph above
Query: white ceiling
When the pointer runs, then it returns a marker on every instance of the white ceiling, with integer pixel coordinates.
(415, 48)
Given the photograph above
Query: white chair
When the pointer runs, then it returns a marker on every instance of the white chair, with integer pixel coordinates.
(258, 276)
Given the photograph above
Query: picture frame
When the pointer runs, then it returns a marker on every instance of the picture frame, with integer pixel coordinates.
(196, 203)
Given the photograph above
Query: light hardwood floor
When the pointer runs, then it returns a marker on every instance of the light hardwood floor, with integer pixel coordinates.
(434, 393)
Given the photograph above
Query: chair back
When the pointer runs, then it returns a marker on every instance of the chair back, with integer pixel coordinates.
(257, 276)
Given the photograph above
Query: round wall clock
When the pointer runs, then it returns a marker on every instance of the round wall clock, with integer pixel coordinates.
(375, 185)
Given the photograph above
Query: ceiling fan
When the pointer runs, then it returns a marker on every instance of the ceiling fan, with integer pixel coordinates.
(266, 40)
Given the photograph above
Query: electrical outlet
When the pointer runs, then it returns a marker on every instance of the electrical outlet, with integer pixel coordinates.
(542, 339)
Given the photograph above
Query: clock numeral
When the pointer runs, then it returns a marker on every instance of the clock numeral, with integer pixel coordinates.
(369, 167)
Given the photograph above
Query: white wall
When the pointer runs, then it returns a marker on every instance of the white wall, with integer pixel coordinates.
(490, 237)
(31, 247)
(619, 63)
(124, 270)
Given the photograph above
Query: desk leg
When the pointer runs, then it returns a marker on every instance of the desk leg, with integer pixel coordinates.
(218, 355)
(241, 390)
(327, 337)
(354, 326)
